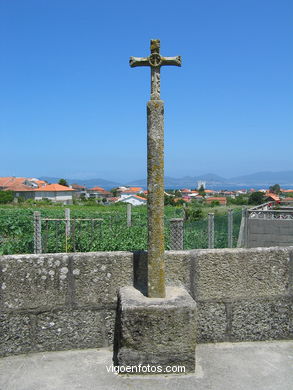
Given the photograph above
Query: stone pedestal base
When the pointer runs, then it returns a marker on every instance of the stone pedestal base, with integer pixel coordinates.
(155, 335)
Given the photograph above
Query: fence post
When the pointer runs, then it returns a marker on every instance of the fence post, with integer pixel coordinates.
(211, 230)
(37, 232)
(176, 233)
(246, 229)
(241, 236)
(230, 228)
(129, 209)
(67, 223)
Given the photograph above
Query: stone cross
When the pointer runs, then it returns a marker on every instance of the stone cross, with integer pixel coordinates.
(155, 61)
(155, 142)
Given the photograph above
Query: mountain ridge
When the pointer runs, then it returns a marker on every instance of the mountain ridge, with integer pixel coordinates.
(213, 181)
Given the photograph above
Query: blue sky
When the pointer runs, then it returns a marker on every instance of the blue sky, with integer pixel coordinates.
(70, 105)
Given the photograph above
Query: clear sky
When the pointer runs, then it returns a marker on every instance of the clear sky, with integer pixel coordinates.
(70, 105)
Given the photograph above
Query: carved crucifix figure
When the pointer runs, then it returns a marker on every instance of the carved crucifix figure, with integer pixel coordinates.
(155, 61)
(155, 141)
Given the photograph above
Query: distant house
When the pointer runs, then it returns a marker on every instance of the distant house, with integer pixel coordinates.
(55, 193)
(185, 191)
(21, 191)
(20, 186)
(79, 191)
(193, 194)
(78, 187)
(6, 182)
(126, 191)
(32, 183)
(135, 200)
(229, 194)
(220, 199)
(272, 197)
(209, 192)
(98, 192)
(185, 198)
(35, 183)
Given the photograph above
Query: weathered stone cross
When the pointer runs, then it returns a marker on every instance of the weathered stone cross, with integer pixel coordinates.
(155, 141)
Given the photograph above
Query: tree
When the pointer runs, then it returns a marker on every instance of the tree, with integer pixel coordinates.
(239, 200)
(256, 198)
(193, 214)
(215, 203)
(275, 189)
(201, 191)
(6, 196)
(63, 182)
(114, 192)
(169, 200)
(288, 194)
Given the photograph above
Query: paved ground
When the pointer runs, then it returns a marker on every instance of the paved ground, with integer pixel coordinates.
(223, 366)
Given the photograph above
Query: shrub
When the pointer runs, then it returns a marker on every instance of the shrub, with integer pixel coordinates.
(256, 198)
(6, 197)
(193, 214)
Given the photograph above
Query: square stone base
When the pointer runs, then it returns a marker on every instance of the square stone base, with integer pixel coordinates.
(158, 333)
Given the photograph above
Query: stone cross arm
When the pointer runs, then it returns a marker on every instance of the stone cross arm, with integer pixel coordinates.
(154, 60)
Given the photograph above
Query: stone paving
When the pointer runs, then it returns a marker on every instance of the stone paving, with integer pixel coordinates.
(221, 366)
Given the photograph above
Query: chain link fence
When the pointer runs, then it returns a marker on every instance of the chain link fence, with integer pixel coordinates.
(47, 231)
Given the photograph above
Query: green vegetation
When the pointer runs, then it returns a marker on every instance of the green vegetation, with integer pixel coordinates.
(201, 191)
(276, 189)
(6, 197)
(238, 200)
(63, 182)
(256, 198)
(108, 234)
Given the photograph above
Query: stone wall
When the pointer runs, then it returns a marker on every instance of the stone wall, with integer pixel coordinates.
(267, 233)
(64, 301)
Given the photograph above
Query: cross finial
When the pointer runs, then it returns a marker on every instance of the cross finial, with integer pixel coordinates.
(155, 61)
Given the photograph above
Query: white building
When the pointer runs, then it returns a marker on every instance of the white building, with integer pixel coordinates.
(135, 200)
(55, 193)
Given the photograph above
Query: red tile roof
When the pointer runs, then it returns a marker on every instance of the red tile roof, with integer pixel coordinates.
(7, 181)
(54, 188)
(139, 197)
(100, 189)
(131, 190)
(77, 186)
(273, 196)
(134, 188)
(16, 187)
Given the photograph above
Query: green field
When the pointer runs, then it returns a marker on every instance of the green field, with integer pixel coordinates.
(109, 234)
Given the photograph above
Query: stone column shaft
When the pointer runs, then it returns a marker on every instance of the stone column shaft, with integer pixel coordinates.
(155, 167)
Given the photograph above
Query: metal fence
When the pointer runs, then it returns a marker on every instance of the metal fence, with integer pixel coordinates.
(214, 231)
(50, 232)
